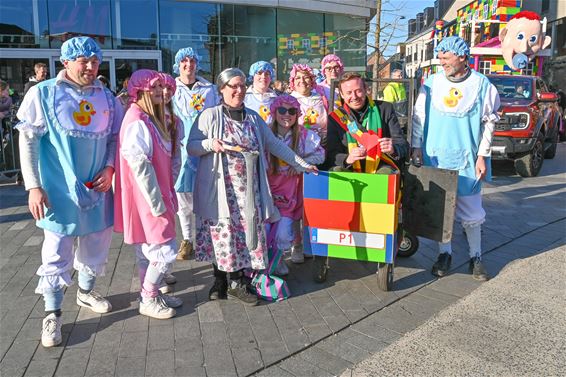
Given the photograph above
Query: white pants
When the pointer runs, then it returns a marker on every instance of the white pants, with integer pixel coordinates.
(469, 210)
(161, 255)
(185, 213)
(58, 256)
(470, 213)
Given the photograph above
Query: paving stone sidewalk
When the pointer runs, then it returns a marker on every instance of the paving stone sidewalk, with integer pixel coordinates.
(322, 330)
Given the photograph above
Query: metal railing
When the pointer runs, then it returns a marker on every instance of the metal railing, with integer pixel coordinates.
(9, 149)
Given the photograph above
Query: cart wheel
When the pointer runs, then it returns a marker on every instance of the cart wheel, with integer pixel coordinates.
(408, 246)
(385, 276)
(320, 269)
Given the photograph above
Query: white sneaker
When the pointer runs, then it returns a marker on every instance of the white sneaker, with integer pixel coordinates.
(94, 301)
(297, 255)
(169, 279)
(156, 308)
(51, 331)
(171, 301)
(281, 269)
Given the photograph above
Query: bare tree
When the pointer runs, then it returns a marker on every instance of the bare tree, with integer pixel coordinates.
(387, 31)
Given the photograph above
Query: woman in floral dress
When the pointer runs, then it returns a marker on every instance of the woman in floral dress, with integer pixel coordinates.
(232, 200)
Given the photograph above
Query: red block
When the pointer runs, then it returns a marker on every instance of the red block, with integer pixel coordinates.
(330, 214)
(507, 3)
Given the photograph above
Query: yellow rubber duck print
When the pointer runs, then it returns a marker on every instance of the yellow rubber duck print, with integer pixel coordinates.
(197, 102)
(453, 97)
(264, 112)
(311, 117)
(85, 113)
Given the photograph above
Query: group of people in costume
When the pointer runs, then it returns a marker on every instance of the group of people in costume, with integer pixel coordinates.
(230, 155)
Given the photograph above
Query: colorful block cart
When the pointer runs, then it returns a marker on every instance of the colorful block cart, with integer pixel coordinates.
(352, 216)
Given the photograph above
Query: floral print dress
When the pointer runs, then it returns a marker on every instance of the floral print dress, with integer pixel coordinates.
(223, 241)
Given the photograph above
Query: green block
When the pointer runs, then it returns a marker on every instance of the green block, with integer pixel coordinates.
(356, 253)
(358, 187)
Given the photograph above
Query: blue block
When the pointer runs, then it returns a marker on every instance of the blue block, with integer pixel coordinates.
(319, 249)
(316, 186)
(390, 247)
(306, 241)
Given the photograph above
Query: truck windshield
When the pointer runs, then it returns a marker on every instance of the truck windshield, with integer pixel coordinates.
(511, 87)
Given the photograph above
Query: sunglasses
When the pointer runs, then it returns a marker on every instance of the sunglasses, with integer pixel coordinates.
(284, 110)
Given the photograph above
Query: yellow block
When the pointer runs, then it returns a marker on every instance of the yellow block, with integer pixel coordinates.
(378, 218)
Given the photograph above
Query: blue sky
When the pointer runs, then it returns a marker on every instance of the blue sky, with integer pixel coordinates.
(392, 10)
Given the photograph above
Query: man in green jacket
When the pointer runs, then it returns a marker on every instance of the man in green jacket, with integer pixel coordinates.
(395, 93)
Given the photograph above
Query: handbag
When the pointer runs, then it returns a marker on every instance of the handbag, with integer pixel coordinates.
(267, 286)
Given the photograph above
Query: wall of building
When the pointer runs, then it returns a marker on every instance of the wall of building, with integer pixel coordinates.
(227, 33)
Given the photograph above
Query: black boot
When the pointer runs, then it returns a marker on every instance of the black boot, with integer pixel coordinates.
(220, 286)
(237, 288)
(442, 265)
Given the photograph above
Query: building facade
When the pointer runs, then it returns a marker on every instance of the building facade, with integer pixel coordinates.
(479, 23)
(138, 34)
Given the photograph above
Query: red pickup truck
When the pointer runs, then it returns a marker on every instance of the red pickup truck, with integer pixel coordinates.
(528, 130)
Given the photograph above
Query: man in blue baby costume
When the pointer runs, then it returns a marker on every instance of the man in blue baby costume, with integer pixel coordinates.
(193, 95)
(68, 134)
(453, 122)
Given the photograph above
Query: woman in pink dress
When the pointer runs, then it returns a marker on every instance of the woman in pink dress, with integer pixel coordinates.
(285, 182)
(145, 201)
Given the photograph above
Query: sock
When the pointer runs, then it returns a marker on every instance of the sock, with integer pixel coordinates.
(86, 282)
(57, 312)
(150, 286)
(445, 247)
(53, 300)
(473, 234)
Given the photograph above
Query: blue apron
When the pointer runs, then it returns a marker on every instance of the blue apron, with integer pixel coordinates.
(73, 150)
(453, 127)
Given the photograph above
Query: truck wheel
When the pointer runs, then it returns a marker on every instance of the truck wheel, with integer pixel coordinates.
(551, 151)
(529, 165)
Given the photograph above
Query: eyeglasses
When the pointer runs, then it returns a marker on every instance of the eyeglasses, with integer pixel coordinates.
(332, 68)
(236, 87)
(284, 110)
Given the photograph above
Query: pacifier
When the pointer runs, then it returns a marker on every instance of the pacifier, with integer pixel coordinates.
(520, 61)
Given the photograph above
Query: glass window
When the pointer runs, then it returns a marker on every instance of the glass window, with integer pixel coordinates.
(23, 24)
(485, 67)
(190, 24)
(348, 39)
(248, 35)
(293, 27)
(69, 19)
(17, 72)
(129, 32)
(125, 68)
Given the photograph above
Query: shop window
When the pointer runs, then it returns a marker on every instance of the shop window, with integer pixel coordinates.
(349, 33)
(294, 26)
(247, 35)
(21, 26)
(129, 32)
(190, 24)
(17, 72)
(68, 19)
